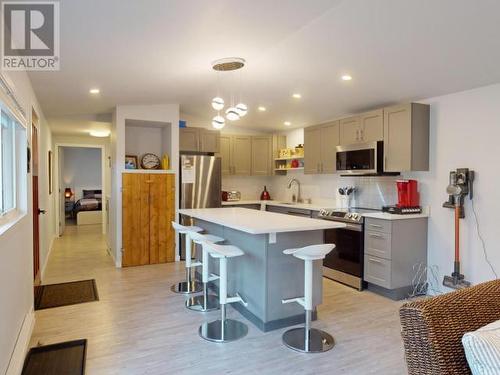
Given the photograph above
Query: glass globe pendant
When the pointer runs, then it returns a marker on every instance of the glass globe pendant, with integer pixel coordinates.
(218, 122)
(217, 103)
(232, 114)
(242, 109)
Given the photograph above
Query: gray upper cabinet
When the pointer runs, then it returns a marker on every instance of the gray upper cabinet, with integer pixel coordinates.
(312, 150)
(225, 154)
(350, 131)
(367, 127)
(406, 138)
(209, 140)
(329, 142)
(371, 126)
(320, 144)
(262, 155)
(199, 140)
(241, 155)
(188, 139)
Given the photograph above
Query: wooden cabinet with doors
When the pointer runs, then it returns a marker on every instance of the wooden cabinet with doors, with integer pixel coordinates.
(262, 155)
(148, 204)
(320, 144)
(199, 140)
(367, 127)
(406, 138)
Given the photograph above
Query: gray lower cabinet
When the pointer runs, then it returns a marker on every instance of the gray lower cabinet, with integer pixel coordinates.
(394, 249)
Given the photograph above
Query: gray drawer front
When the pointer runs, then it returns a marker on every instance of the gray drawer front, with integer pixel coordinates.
(289, 210)
(378, 271)
(378, 244)
(378, 225)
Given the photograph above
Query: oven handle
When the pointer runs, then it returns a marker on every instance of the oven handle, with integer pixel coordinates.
(353, 227)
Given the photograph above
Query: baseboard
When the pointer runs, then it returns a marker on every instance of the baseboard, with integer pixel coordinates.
(16, 362)
(44, 266)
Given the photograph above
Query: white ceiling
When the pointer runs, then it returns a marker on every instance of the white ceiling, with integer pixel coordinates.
(159, 51)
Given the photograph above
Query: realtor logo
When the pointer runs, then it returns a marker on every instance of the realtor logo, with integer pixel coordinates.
(30, 35)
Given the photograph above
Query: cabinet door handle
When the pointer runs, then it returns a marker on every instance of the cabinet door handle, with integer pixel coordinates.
(375, 226)
(376, 235)
(375, 261)
(357, 135)
(362, 135)
(322, 167)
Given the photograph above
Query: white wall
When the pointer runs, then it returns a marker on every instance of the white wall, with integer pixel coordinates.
(465, 129)
(16, 245)
(82, 169)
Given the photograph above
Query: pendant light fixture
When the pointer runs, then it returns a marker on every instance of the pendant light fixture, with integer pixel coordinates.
(234, 112)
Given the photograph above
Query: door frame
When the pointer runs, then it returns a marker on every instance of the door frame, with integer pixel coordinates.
(57, 176)
(35, 211)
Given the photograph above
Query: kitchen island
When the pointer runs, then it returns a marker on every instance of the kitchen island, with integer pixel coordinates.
(264, 275)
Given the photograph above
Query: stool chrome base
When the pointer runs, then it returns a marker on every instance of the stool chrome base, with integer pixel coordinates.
(219, 331)
(203, 303)
(185, 287)
(319, 341)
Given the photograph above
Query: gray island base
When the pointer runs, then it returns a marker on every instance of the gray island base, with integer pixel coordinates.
(264, 276)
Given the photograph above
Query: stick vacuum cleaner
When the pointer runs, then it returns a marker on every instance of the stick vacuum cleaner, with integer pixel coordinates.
(459, 187)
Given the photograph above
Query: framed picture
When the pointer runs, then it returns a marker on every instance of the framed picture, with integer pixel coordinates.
(131, 162)
(50, 172)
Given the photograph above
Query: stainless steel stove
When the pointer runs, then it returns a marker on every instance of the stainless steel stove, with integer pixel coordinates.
(345, 262)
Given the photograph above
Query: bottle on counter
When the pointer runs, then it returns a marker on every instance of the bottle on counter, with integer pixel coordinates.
(165, 163)
(264, 196)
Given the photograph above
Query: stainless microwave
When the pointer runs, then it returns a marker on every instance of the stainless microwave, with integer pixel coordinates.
(361, 158)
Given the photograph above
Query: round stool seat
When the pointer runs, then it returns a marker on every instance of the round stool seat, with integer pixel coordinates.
(199, 238)
(225, 251)
(183, 229)
(313, 252)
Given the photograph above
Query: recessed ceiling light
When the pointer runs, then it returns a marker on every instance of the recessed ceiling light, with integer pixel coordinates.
(94, 91)
(262, 109)
(287, 123)
(297, 95)
(99, 133)
(346, 77)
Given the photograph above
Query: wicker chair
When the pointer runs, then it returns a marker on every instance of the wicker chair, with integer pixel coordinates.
(432, 328)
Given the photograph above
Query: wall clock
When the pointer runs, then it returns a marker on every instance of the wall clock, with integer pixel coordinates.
(150, 161)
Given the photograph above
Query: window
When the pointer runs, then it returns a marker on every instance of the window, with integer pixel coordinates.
(9, 126)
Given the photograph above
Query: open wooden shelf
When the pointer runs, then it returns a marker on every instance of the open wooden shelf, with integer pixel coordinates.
(291, 158)
(289, 169)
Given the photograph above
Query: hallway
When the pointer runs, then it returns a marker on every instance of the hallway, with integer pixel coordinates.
(139, 327)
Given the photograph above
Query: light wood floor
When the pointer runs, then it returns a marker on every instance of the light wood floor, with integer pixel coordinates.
(140, 327)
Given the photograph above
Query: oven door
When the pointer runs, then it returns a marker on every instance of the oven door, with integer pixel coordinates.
(347, 256)
(357, 159)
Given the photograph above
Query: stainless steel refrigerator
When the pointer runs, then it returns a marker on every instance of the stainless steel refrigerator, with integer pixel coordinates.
(200, 186)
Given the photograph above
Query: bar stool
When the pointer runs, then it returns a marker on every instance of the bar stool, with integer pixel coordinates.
(205, 302)
(189, 286)
(224, 330)
(306, 339)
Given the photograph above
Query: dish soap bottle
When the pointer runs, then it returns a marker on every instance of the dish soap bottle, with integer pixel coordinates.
(264, 196)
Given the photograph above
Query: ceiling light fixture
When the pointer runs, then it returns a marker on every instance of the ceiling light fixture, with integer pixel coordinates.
(235, 110)
(296, 96)
(218, 122)
(346, 77)
(262, 109)
(287, 123)
(94, 91)
(100, 133)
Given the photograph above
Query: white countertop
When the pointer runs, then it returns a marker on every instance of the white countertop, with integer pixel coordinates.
(259, 222)
(315, 207)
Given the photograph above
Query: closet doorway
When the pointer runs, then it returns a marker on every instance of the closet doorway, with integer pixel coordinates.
(81, 184)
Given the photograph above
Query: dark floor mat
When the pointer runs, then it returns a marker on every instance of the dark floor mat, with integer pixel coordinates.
(55, 295)
(66, 358)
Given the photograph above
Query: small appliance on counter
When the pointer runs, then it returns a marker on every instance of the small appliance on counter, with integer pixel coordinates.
(408, 199)
(231, 196)
(265, 196)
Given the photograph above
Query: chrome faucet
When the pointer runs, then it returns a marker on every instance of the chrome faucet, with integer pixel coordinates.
(297, 199)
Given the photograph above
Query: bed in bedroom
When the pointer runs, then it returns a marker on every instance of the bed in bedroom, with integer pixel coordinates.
(88, 210)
